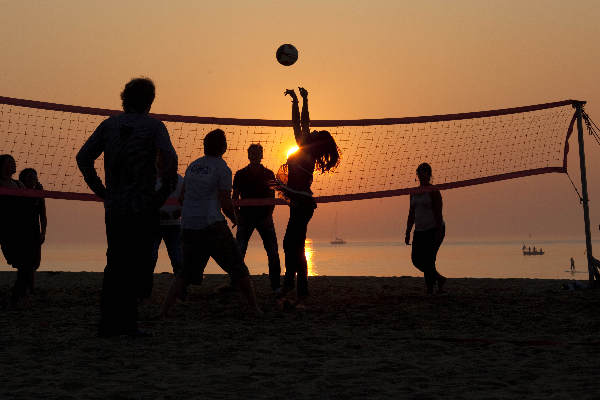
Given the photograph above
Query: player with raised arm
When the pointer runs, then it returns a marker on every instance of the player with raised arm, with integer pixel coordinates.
(316, 150)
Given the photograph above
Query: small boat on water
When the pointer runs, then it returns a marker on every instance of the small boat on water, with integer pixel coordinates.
(528, 251)
(337, 240)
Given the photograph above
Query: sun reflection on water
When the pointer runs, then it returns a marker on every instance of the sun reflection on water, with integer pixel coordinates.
(308, 252)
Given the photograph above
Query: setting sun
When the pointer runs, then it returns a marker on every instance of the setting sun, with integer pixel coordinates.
(291, 151)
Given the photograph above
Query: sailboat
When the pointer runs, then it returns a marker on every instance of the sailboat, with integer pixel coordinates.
(337, 240)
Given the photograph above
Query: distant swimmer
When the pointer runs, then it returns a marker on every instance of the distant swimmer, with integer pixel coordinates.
(425, 213)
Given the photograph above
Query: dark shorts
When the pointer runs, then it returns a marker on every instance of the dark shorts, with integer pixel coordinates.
(214, 241)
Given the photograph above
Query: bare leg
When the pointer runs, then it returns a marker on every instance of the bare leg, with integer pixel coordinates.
(248, 291)
(175, 291)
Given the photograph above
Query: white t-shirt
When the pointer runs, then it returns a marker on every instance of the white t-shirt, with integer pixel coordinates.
(172, 210)
(204, 178)
(423, 206)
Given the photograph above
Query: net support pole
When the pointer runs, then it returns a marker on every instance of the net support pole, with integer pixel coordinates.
(584, 192)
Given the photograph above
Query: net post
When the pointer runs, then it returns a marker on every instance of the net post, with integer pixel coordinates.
(578, 105)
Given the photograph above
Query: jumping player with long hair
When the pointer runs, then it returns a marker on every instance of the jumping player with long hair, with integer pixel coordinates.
(316, 150)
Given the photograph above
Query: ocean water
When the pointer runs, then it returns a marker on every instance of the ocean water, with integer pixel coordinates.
(455, 259)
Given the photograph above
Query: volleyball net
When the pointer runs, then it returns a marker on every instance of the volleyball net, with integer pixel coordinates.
(379, 156)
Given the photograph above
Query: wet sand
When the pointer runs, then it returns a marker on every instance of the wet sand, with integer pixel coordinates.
(360, 337)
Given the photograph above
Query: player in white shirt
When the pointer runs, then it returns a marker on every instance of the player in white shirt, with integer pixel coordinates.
(206, 197)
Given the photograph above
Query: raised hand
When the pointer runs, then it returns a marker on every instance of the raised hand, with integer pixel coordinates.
(303, 92)
(291, 93)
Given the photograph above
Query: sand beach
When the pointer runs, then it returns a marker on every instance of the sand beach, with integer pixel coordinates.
(360, 337)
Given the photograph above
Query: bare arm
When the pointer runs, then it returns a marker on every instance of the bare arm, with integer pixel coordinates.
(43, 220)
(236, 196)
(304, 118)
(86, 157)
(168, 165)
(295, 117)
(227, 205)
(236, 191)
(410, 221)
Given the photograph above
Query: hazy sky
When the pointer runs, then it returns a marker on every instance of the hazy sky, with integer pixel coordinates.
(360, 59)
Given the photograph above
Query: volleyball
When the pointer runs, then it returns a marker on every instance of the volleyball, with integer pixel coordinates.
(286, 54)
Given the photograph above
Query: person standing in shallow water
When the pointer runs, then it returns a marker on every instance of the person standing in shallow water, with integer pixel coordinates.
(131, 143)
(425, 213)
(316, 150)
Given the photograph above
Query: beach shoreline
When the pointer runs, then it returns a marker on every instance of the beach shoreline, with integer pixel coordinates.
(360, 337)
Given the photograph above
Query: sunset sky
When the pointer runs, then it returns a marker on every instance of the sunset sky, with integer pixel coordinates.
(360, 59)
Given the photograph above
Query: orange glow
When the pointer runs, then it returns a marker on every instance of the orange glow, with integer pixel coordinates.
(308, 252)
(291, 151)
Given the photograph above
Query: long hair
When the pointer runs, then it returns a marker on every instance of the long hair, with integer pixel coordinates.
(325, 151)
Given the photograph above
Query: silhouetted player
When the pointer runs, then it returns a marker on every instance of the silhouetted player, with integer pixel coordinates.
(318, 150)
(131, 143)
(425, 214)
(170, 232)
(8, 208)
(253, 182)
(32, 224)
(207, 191)
(11, 224)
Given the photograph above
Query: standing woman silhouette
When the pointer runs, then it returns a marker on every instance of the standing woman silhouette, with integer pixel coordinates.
(316, 150)
(425, 214)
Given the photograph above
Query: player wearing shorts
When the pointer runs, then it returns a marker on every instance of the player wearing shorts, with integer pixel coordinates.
(206, 197)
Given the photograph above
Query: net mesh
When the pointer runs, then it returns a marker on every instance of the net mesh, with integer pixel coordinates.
(379, 157)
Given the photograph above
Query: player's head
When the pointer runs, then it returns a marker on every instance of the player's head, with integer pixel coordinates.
(424, 173)
(323, 148)
(29, 178)
(138, 95)
(255, 153)
(215, 143)
(7, 166)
